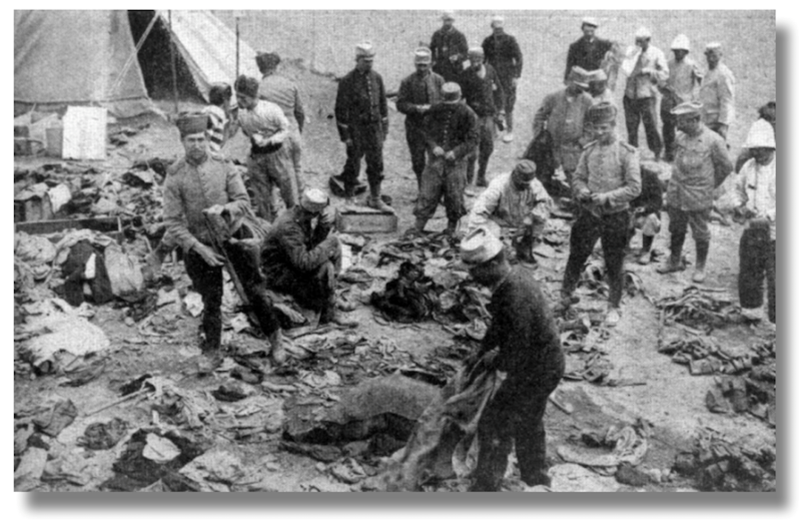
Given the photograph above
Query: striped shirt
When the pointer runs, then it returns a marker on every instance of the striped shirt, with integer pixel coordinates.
(217, 121)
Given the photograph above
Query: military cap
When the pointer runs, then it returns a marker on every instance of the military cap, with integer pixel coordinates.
(713, 46)
(476, 51)
(451, 92)
(219, 92)
(364, 50)
(498, 21)
(525, 169)
(422, 55)
(192, 123)
(267, 60)
(590, 20)
(314, 200)
(643, 32)
(579, 76)
(448, 15)
(597, 75)
(761, 135)
(681, 43)
(247, 86)
(688, 108)
(479, 246)
(601, 113)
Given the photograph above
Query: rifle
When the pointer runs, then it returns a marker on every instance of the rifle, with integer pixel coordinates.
(218, 247)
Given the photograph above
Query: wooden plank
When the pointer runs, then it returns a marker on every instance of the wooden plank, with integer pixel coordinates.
(349, 221)
(111, 226)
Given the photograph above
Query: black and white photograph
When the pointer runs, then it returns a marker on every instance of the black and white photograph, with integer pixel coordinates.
(368, 251)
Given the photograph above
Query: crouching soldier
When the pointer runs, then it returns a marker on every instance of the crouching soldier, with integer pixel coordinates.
(199, 183)
(523, 338)
(515, 200)
(302, 258)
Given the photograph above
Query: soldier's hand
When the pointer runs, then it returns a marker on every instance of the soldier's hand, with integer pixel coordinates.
(450, 156)
(438, 151)
(422, 108)
(209, 255)
(327, 217)
(599, 198)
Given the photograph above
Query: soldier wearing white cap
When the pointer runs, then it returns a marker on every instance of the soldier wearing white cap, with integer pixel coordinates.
(197, 185)
(522, 342)
(503, 53)
(701, 164)
(482, 90)
(767, 113)
(417, 94)
(756, 198)
(682, 86)
(451, 136)
(717, 93)
(647, 69)
(589, 51)
(302, 257)
(562, 114)
(449, 48)
(607, 179)
(362, 120)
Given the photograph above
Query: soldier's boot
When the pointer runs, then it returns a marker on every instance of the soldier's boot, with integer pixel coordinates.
(702, 249)
(646, 251)
(278, 343)
(481, 173)
(674, 262)
(376, 201)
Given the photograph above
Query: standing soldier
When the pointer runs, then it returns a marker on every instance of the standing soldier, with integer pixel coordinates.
(270, 163)
(563, 114)
(418, 92)
(449, 49)
(607, 178)
(362, 119)
(451, 135)
(701, 164)
(717, 94)
(284, 93)
(646, 68)
(598, 87)
(681, 87)
(483, 93)
(502, 52)
(587, 52)
(523, 343)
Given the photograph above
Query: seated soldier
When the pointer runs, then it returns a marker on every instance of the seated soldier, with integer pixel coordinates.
(515, 200)
(302, 258)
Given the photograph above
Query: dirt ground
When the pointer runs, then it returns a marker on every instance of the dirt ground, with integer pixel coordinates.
(664, 394)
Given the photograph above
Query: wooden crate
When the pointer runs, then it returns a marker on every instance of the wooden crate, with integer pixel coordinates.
(365, 220)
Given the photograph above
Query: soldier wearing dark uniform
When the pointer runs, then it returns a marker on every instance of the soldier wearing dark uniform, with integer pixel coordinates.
(417, 94)
(587, 52)
(449, 49)
(523, 342)
(503, 53)
(362, 119)
(451, 135)
(197, 184)
(607, 178)
(483, 93)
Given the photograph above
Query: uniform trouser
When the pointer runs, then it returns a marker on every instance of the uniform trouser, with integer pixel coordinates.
(757, 259)
(509, 99)
(442, 178)
(636, 110)
(267, 171)
(679, 220)
(207, 281)
(295, 142)
(367, 142)
(669, 133)
(486, 132)
(587, 229)
(414, 134)
(315, 289)
(515, 413)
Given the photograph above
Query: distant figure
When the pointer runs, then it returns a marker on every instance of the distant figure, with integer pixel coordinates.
(221, 123)
(589, 51)
(503, 53)
(645, 69)
(681, 87)
(598, 87)
(417, 94)
(449, 49)
(717, 93)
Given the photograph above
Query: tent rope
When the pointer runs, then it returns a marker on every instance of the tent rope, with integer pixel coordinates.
(132, 56)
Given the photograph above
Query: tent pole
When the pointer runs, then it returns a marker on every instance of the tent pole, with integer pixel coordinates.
(237, 46)
(174, 65)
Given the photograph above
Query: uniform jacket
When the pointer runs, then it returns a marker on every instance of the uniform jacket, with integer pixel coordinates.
(445, 44)
(483, 95)
(503, 53)
(717, 96)
(756, 188)
(453, 127)
(683, 81)
(612, 169)
(701, 164)
(414, 91)
(586, 54)
(266, 119)
(284, 93)
(189, 189)
(294, 246)
(506, 205)
(640, 85)
(563, 117)
(360, 101)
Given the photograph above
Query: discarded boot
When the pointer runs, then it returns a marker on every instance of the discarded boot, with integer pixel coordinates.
(702, 249)
(377, 203)
(278, 352)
